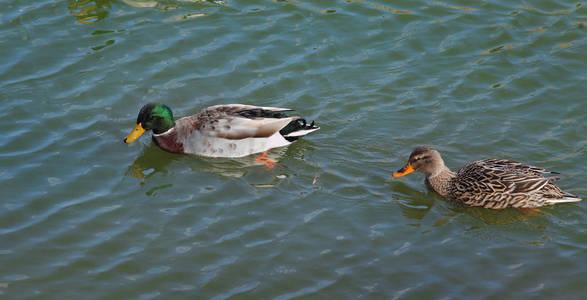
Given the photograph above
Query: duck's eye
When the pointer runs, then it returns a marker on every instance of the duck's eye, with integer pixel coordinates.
(419, 158)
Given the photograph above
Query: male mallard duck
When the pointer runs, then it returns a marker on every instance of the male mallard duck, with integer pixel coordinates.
(490, 183)
(232, 130)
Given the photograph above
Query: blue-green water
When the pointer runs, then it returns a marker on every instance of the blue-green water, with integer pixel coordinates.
(85, 216)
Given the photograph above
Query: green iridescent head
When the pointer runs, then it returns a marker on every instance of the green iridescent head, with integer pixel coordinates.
(153, 116)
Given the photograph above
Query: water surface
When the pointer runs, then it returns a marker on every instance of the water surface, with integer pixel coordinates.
(84, 215)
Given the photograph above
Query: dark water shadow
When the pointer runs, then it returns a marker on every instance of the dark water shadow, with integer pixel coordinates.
(506, 216)
(499, 216)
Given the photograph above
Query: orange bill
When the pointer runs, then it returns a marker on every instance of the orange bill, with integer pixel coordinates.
(407, 169)
(134, 134)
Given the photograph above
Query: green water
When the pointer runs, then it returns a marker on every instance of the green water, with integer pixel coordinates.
(85, 216)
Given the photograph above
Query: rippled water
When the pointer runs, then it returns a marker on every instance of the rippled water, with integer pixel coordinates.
(85, 216)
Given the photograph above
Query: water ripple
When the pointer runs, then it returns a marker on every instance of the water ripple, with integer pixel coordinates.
(111, 220)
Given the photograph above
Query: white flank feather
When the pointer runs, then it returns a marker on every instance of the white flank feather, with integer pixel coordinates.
(301, 132)
(564, 200)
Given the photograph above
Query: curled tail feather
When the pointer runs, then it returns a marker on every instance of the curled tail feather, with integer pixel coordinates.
(296, 129)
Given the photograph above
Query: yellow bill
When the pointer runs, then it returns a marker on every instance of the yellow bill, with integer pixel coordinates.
(134, 134)
(407, 169)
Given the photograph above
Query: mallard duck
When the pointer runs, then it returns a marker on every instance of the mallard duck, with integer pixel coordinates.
(232, 130)
(490, 183)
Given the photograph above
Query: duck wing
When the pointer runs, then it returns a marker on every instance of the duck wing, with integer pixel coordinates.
(514, 166)
(237, 121)
(498, 183)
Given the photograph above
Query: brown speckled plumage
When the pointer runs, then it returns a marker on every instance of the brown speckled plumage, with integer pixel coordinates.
(490, 183)
(216, 121)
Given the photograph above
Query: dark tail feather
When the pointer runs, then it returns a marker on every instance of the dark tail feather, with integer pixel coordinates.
(296, 125)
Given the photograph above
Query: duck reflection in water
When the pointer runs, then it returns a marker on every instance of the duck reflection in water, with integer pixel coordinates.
(417, 205)
(422, 204)
(89, 11)
(150, 162)
(153, 160)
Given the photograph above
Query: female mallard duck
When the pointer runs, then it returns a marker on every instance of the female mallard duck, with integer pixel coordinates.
(232, 130)
(490, 183)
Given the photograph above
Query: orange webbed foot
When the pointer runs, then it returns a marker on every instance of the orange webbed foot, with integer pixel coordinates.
(531, 211)
(269, 163)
